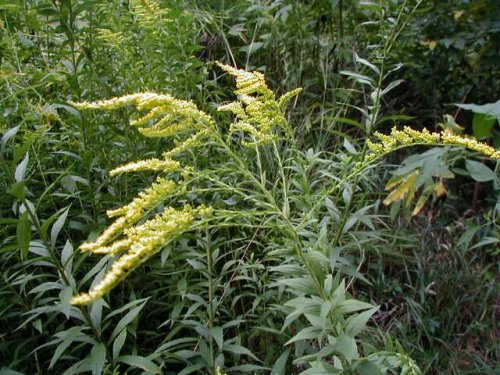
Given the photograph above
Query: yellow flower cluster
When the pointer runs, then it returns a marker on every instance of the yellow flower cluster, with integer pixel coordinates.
(165, 116)
(148, 12)
(166, 165)
(192, 142)
(147, 199)
(142, 242)
(130, 214)
(257, 111)
(470, 143)
(409, 137)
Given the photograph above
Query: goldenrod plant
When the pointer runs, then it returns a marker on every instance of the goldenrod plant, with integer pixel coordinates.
(305, 270)
(252, 239)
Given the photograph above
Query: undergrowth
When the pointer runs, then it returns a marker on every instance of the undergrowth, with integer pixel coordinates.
(264, 242)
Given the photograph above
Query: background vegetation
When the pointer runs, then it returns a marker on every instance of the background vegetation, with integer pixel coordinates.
(364, 66)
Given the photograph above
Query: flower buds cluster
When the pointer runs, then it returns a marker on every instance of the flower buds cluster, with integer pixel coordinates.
(408, 137)
(257, 111)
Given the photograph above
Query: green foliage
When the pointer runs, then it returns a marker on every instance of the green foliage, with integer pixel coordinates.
(298, 268)
(451, 50)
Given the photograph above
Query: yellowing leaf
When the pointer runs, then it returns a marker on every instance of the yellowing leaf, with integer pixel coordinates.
(407, 186)
(440, 189)
(457, 14)
(422, 200)
(432, 45)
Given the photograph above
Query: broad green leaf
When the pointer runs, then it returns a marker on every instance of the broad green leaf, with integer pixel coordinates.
(96, 313)
(128, 306)
(97, 358)
(479, 171)
(140, 362)
(253, 47)
(300, 284)
(349, 147)
(356, 323)
(366, 367)
(422, 200)
(8, 371)
(50, 285)
(492, 109)
(365, 80)
(217, 335)
(191, 369)
(482, 125)
(279, 367)
(348, 121)
(346, 346)
(172, 344)
(307, 333)
(391, 86)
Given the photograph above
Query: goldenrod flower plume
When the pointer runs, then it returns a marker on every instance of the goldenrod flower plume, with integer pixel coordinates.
(257, 111)
(408, 137)
(142, 242)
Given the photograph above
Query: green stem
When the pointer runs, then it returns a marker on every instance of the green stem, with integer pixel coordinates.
(210, 299)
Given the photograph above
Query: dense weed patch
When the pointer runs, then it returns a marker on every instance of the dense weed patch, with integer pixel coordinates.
(264, 228)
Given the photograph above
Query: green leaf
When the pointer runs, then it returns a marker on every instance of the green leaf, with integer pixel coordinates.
(8, 135)
(118, 343)
(307, 333)
(356, 323)
(302, 284)
(56, 228)
(247, 368)
(68, 337)
(252, 47)
(346, 346)
(239, 350)
(366, 367)
(366, 63)
(479, 172)
(97, 358)
(279, 367)
(65, 298)
(492, 109)
(352, 305)
(131, 315)
(8, 371)
(67, 257)
(359, 78)
(18, 190)
(348, 121)
(140, 362)
(482, 125)
(24, 234)
(217, 335)
(21, 169)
